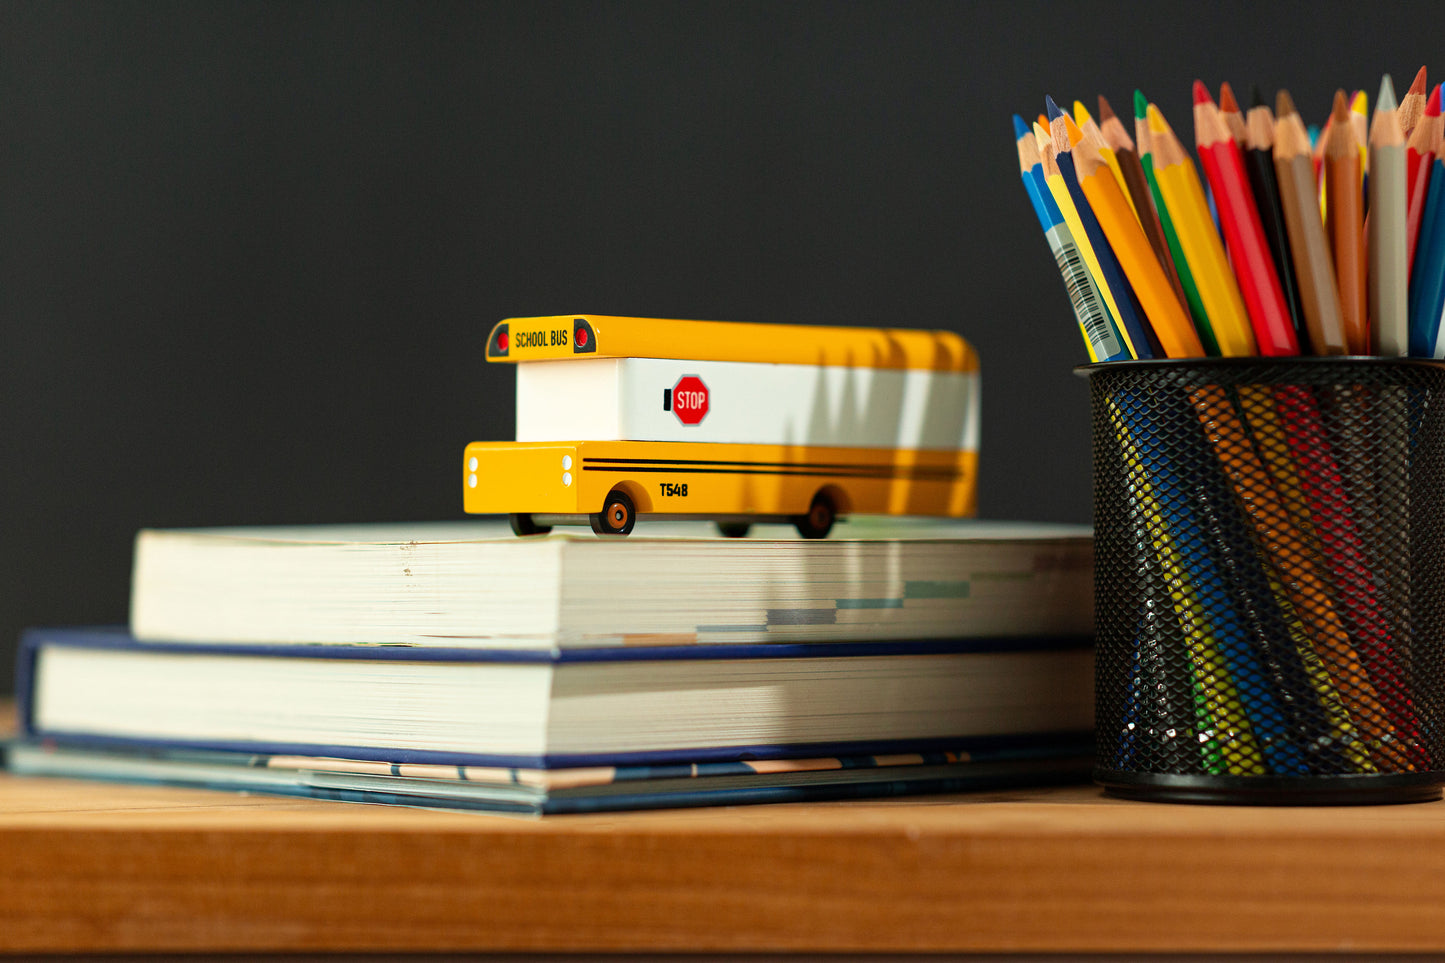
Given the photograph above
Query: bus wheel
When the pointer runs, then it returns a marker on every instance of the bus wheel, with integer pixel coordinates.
(617, 514)
(733, 529)
(819, 520)
(522, 524)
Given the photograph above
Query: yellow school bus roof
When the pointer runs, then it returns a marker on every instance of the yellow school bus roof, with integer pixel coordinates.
(598, 336)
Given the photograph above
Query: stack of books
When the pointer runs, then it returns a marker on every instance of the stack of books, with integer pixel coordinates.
(456, 665)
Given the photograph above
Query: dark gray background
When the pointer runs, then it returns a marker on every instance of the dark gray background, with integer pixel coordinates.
(249, 253)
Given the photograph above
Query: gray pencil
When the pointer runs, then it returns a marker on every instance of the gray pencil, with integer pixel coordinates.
(1389, 270)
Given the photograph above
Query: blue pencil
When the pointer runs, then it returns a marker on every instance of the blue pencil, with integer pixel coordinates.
(1427, 273)
(1100, 334)
(1180, 517)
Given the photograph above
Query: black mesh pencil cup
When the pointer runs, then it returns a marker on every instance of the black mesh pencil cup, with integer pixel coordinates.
(1268, 581)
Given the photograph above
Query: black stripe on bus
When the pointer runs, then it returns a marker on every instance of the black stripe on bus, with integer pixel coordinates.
(834, 473)
(754, 464)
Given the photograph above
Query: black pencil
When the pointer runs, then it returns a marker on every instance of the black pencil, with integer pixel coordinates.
(1259, 165)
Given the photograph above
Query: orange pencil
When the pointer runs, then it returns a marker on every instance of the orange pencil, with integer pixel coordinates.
(1345, 223)
(1243, 233)
(1167, 316)
(1232, 116)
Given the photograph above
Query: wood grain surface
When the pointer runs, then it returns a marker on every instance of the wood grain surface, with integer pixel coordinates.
(103, 868)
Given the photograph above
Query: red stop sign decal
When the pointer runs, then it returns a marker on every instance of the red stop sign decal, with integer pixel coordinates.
(690, 400)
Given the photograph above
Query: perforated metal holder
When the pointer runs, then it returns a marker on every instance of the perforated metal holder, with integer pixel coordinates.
(1269, 604)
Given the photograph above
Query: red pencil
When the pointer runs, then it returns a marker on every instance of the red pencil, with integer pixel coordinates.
(1419, 160)
(1243, 233)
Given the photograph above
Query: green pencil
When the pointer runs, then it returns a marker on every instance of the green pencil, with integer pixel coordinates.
(1181, 266)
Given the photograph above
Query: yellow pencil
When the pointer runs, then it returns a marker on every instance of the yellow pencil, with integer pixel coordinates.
(1054, 178)
(1184, 197)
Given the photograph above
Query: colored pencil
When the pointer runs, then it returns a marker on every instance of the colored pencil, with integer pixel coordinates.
(1100, 337)
(1059, 191)
(1412, 105)
(1389, 273)
(1345, 222)
(1088, 126)
(1232, 116)
(1420, 153)
(1135, 329)
(1136, 185)
(1304, 585)
(1360, 130)
(1427, 278)
(1249, 251)
(1183, 195)
(1165, 312)
(1313, 262)
(1179, 263)
(1264, 183)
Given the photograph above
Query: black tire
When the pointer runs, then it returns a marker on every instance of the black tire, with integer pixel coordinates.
(522, 524)
(819, 520)
(617, 516)
(733, 529)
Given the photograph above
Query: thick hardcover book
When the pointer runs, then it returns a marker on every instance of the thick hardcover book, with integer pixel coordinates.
(578, 790)
(448, 706)
(475, 585)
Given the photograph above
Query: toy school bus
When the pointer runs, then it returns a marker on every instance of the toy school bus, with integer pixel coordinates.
(735, 423)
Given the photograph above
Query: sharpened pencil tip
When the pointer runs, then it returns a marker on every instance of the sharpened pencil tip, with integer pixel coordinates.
(1081, 113)
(1021, 127)
(1432, 106)
(1226, 99)
(1051, 108)
(1283, 104)
(1386, 100)
(1340, 111)
(1359, 103)
(1418, 86)
(1141, 105)
(1105, 111)
(1201, 93)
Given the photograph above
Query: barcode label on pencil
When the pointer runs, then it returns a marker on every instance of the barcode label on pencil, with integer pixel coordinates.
(1084, 296)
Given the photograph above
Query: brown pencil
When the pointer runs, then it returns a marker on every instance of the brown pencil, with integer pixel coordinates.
(1129, 165)
(1412, 105)
(1310, 248)
(1345, 222)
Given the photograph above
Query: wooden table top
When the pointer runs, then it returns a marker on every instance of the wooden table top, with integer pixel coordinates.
(88, 867)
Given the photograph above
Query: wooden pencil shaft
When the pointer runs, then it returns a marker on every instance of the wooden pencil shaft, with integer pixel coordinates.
(1259, 165)
(1253, 265)
(1346, 225)
(1143, 203)
(1183, 195)
(1166, 314)
(1388, 249)
(1319, 294)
